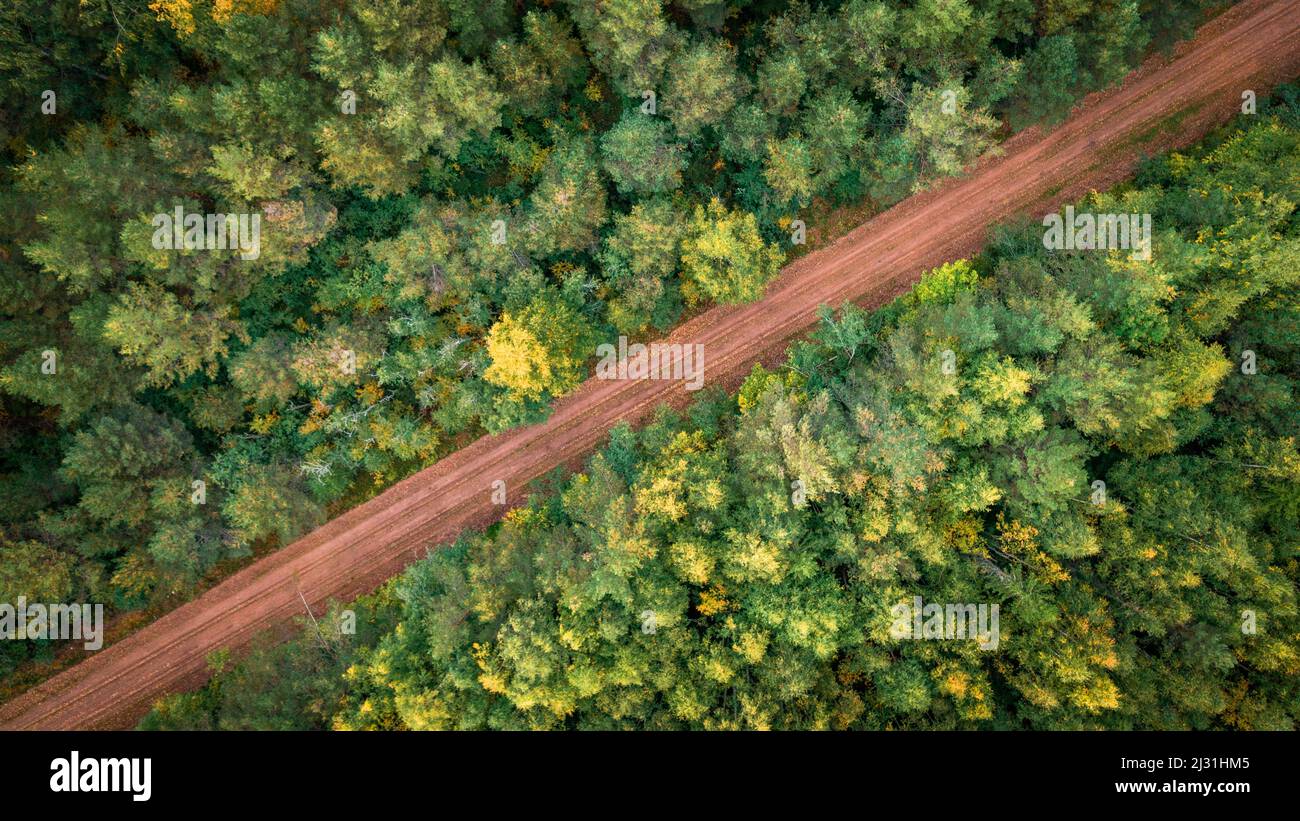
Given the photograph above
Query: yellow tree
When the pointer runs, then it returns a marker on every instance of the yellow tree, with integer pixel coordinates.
(724, 258)
(539, 350)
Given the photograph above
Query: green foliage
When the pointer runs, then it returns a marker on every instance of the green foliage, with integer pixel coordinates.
(430, 175)
(1050, 69)
(135, 470)
(567, 207)
(638, 156)
(739, 567)
(941, 141)
(701, 86)
(270, 500)
(628, 40)
(639, 261)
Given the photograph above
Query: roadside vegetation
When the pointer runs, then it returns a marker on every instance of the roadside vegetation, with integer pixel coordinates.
(1106, 448)
(458, 201)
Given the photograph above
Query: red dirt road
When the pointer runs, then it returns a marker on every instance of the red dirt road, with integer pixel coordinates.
(1254, 45)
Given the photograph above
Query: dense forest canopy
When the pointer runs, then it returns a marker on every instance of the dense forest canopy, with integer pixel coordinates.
(1104, 447)
(457, 202)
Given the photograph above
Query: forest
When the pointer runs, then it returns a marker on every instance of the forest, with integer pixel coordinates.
(457, 202)
(1105, 447)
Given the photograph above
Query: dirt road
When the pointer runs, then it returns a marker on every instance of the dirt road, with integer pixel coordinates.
(1252, 46)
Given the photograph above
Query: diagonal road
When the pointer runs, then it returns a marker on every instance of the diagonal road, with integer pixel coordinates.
(1254, 46)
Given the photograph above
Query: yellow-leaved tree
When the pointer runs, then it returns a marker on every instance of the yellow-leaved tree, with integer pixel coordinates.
(724, 258)
(540, 349)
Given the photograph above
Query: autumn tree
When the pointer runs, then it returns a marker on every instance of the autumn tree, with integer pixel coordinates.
(724, 258)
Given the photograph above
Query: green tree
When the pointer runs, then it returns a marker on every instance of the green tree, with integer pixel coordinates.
(271, 500)
(630, 41)
(567, 207)
(702, 85)
(640, 156)
(639, 261)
